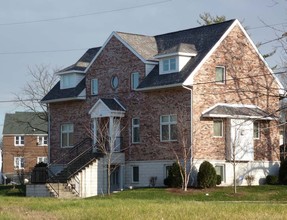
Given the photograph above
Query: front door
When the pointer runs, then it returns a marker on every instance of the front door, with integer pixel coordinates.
(115, 178)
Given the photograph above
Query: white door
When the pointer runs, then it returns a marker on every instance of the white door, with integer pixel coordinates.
(241, 139)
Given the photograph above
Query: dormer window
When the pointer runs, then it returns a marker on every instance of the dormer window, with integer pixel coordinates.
(70, 80)
(173, 59)
(169, 65)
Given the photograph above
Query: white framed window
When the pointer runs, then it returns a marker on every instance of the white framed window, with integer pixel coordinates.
(135, 130)
(19, 140)
(42, 159)
(220, 74)
(67, 135)
(94, 87)
(217, 128)
(135, 174)
(135, 77)
(169, 65)
(67, 81)
(167, 170)
(18, 162)
(256, 130)
(220, 170)
(168, 128)
(42, 140)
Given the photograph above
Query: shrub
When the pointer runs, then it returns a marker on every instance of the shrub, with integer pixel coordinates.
(271, 180)
(206, 177)
(174, 177)
(218, 179)
(249, 179)
(283, 172)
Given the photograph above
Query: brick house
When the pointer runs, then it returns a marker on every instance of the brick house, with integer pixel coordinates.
(209, 80)
(25, 143)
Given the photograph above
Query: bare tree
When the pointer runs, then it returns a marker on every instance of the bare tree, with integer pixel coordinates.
(107, 141)
(41, 82)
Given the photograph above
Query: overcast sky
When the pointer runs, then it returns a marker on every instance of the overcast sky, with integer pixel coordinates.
(57, 33)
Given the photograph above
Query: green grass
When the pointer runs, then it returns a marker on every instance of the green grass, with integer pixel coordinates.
(256, 202)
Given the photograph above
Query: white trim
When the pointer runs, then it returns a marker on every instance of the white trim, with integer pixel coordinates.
(237, 116)
(175, 54)
(189, 80)
(81, 96)
(159, 87)
(70, 71)
(110, 113)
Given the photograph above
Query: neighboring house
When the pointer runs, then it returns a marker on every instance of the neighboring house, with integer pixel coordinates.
(25, 143)
(209, 80)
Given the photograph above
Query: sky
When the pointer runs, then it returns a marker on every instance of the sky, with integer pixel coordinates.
(57, 33)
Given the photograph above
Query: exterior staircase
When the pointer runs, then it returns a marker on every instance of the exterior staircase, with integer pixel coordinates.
(59, 185)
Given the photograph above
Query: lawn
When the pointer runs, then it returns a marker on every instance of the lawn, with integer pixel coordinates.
(256, 202)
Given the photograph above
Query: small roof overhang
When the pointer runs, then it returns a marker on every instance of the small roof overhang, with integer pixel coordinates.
(223, 110)
(107, 108)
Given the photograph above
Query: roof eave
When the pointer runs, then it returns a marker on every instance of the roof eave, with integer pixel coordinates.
(159, 87)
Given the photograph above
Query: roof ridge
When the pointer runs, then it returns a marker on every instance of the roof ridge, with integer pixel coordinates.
(199, 27)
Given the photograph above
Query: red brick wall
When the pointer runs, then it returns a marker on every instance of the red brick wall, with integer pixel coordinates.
(248, 82)
(30, 151)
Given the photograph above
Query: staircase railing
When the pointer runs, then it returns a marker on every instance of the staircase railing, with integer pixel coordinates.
(74, 151)
(51, 180)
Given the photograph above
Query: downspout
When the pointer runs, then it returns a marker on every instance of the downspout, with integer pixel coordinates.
(191, 119)
(49, 133)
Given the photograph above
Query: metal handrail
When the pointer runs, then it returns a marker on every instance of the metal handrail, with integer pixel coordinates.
(50, 185)
(72, 150)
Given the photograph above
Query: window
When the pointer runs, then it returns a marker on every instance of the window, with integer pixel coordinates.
(66, 81)
(19, 140)
(115, 82)
(135, 130)
(136, 176)
(256, 130)
(168, 130)
(135, 80)
(42, 159)
(217, 128)
(18, 162)
(219, 74)
(67, 135)
(220, 170)
(42, 140)
(169, 65)
(94, 87)
(167, 170)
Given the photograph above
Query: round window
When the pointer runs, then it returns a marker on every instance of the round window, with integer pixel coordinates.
(115, 82)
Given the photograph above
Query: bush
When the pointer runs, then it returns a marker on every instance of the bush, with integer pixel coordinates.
(206, 177)
(283, 172)
(174, 177)
(249, 179)
(218, 179)
(271, 180)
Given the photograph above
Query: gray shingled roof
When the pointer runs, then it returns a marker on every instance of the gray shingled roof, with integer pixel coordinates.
(181, 47)
(146, 46)
(282, 77)
(25, 123)
(56, 93)
(202, 38)
(113, 105)
(86, 58)
(229, 111)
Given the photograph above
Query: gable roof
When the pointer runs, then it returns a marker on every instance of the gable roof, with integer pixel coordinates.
(57, 94)
(202, 39)
(223, 110)
(25, 123)
(82, 64)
